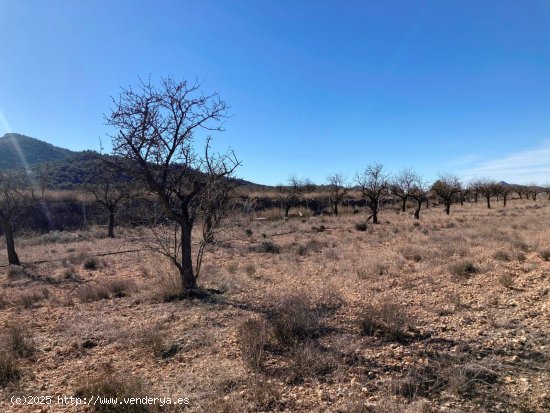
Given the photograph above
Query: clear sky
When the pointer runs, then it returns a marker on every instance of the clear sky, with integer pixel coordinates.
(315, 87)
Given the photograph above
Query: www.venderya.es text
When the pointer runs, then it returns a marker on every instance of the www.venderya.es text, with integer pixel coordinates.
(98, 400)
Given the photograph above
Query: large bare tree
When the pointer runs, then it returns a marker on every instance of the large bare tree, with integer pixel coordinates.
(155, 143)
(488, 188)
(374, 185)
(420, 192)
(15, 194)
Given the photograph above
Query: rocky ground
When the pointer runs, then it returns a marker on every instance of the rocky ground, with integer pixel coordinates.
(320, 314)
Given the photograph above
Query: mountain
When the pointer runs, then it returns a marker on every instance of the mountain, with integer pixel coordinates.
(16, 150)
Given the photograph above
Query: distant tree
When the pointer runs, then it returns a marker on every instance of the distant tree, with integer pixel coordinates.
(505, 190)
(447, 187)
(488, 189)
(338, 190)
(15, 195)
(402, 184)
(110, 189)
(292, 193)
(44, 177)
(157, 125)
(420, 192)
(533, 189)
(374, 186)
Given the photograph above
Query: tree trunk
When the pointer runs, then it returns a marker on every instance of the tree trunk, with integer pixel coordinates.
(475, 197)
(504, 198)
(287, 209)
(336, 208)
(427, 203)
(188, 280)
(404, 204)
(13, 259)
(417, 210)
(534, 196)
(111, 223)
(488, 202)
(447, 207)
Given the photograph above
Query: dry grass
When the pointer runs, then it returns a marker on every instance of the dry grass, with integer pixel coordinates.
(339, 319)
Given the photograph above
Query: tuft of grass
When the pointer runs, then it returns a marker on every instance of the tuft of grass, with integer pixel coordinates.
(320, 228)
(250, 269)
(501, 255)
(267, 247)
(463, 269)
(307, 359)
(387, 320)
(91, 263)
(10, 371)
(545, 254)
(252, 336)
(295, 320)
(19, 341)
(88, 293)
(361, 226)
(114, 386)
(16, 272)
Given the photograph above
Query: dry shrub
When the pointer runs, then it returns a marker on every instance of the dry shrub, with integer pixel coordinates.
(114, 386)
(266, 247)
(545, 254)
(320, 228)
(506, 280)
(307, 359)
(88, 293)
(501, 255)
(386, 319)
(29, 299)
(19, 341)
(16, 272)
(250, 269)
(91, 263)
(120, 287)
(152, 338)
(463, 269)
(413, 253)
(361, 226)
(9, 369)
(252, 336)
(295, 319)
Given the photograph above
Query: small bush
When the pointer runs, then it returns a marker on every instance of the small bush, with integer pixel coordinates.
(152, 339)
(320, 228)
(91, 263)
(463, 269)
(295, 320)
(268, 247)
(361, 226)
(506, 280)
(88, 293)
(387, 320)
(250, 269)
(110, 386)
(9, 369)
(252, 336)
(501, 255)
(27, 300)
(412, 253)
(308, 360)
(19, 341)
(248, 232)
(232, 268)
(16, 272)
(119, 288)
(545, 254)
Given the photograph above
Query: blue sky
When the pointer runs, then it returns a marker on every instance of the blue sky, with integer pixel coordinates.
(315, 87)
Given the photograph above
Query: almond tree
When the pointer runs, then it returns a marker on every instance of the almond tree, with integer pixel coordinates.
(447, 187)
(155, 143)
(488, 188)
(402, 185)
(374, 185)
(420, 192)
(338, 190)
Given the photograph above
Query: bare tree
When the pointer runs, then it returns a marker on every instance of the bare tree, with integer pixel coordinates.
(291, 193)
(420, 192)
(402, 185)
(338, 190)
(15, 195)
(157, 125)
(447, 187)
(44, 177)
(374, 185)
(505, 190)
(488, 189)
(110, 189)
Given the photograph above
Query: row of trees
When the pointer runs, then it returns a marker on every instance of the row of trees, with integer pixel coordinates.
(377, 186)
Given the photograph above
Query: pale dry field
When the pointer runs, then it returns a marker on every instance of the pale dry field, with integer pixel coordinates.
(448, 314)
